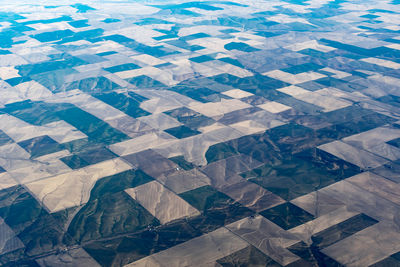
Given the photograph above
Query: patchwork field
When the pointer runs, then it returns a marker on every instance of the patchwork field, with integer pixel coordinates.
(200, 133)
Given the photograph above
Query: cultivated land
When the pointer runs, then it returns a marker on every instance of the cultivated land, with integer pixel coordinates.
(200, 133)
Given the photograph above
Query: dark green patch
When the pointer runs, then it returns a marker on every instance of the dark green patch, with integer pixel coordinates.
(164, 65)
(315, 53)
(111, 20)
(190, 118)
(93, 85)
(74, 162)
(123, 250)
(232, 61)
(94, 128)
(79, 23)
(275, 144)
(96, 155)
(10, 16)
(34, 226)
(215, 97)
(194, 36)
(180, 160)
(82, 8)
(342, 230)
(390, 99)
(227, 31)
(220, 151)
(36, 113)
(206, 198)
(126, 104)
(311, 86)
(258, 84)
(240, 46)
(354, 124)
(395, 142)
(119, 182)
(79, 145)
(91, 35)
(58, 62)
(4, 139)
(305, 172)
(201, 59)
(137, 97)
(4, 52)
(123, 67)
(249, 257)
(149, 21)
(216, 218)
(346, 114)
(182, 44)
(388, 262)
(291, 138)
(7, 35)
(340, 84)
(106, 53)
(311, 256)
(40, 146)
(369, 16)
(144, 81)
(196, 93)
(157, 51)
(257, 147)
(217, 208)
(303, 68)
(182, 132)
(303, 27)
(53, 80)
(20, 263)
(110, 215)
(297, 2)
(166, 36)
(17, 80)
(287, 215)
(53, 36)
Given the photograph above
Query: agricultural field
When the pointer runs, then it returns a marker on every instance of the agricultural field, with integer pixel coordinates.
(200, 133)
